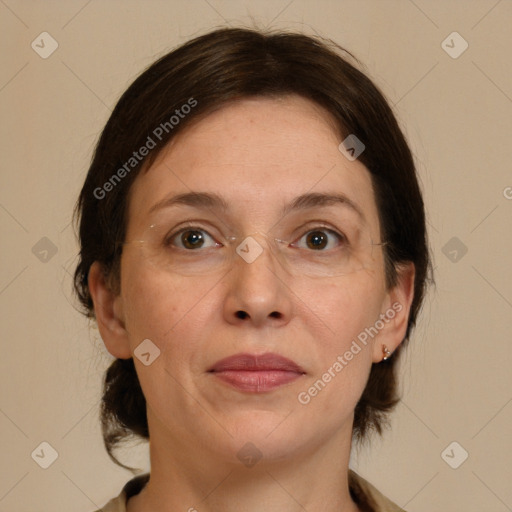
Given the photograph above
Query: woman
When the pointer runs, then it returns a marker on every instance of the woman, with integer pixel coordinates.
(253, 250)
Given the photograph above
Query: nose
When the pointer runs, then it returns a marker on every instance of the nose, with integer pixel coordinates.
(257, 295)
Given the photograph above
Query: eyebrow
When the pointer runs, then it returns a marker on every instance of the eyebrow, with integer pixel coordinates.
(216, 202)
(318, 199)
(197, 199)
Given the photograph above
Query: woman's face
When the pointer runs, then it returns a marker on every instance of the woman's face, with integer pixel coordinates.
(255, 167)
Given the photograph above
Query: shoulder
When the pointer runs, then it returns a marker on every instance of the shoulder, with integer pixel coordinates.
(134, 486)
(114, 505)
(368, 498)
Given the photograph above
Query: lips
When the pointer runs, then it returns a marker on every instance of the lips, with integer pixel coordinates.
(256, 373)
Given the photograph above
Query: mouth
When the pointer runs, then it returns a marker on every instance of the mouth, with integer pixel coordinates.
(256, 373)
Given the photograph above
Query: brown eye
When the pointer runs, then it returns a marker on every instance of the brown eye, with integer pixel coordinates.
(316, 240)
(192, 239)
(320, 240)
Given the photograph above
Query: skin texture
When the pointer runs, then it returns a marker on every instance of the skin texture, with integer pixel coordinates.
(258, 155)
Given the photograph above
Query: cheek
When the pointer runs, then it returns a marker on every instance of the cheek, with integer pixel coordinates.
(346, 309)
(165, 308)
(172, 312)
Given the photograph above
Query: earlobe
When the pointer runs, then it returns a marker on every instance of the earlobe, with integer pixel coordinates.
(109, 313)
(398, 306)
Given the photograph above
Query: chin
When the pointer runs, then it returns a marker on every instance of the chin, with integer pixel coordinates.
(267, 436)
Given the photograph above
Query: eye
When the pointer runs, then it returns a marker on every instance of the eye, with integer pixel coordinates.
(319, 240)
(192, 238)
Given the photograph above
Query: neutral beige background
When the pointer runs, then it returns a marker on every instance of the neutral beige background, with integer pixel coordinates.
(457, 114)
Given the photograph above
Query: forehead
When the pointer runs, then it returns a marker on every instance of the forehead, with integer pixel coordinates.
(259, 155)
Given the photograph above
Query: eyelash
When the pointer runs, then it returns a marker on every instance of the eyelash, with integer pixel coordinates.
(168, 241)
(341, 239)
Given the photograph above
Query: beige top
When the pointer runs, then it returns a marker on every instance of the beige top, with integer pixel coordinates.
(363, 493)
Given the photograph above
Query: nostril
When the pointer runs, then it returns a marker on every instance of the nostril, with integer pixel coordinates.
(243, 315)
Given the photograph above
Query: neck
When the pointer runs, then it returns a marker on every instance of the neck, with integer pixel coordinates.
(189, 477)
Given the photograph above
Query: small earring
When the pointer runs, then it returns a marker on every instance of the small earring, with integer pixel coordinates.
(386, 353)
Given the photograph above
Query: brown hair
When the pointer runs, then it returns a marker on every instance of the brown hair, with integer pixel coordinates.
(207, 72)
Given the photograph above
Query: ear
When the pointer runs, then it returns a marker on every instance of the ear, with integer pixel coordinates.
(395, 315)
(109, 313)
